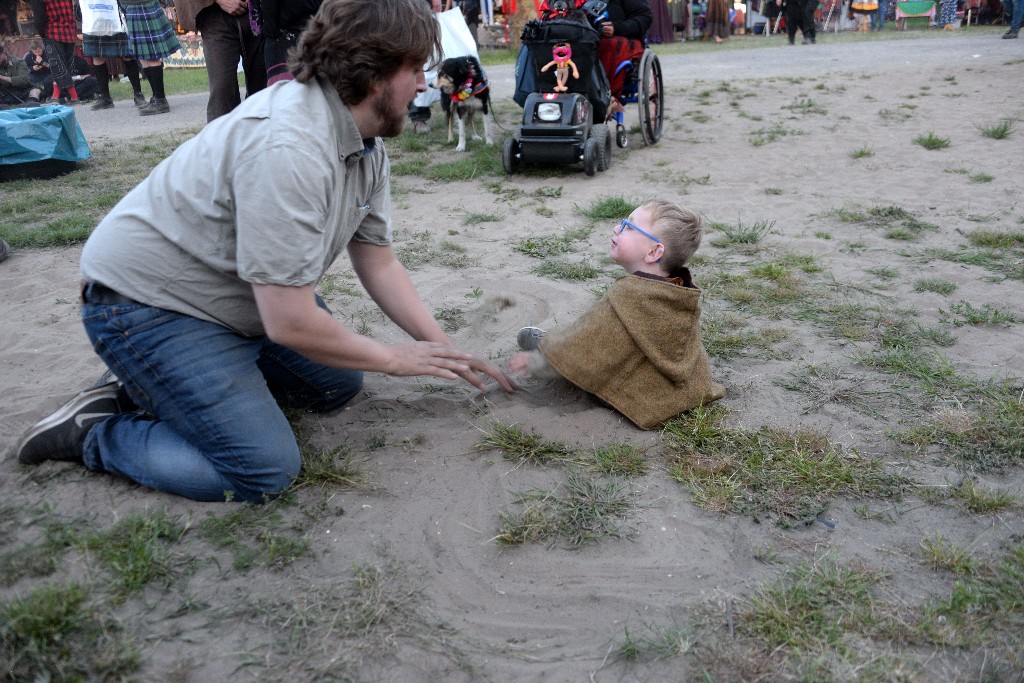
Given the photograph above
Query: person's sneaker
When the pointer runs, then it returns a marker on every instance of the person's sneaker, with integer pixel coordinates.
(140, 99)
(103, 102)
(61, 436)
(157, 105)
(421, 127)
(529, 338)
(5, 251)
(805, 41)
(1009, 35)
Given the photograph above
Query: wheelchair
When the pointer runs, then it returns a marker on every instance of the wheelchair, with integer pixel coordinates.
(564, 115)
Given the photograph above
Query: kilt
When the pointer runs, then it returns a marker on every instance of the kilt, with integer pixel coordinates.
(106, 46)
(150, 35)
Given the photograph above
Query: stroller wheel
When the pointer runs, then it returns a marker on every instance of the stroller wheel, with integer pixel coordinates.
(591, 152)
(510, 155)
(620, 136)
(600, 132)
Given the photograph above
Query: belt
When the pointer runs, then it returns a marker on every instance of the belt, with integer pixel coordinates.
(98, 293)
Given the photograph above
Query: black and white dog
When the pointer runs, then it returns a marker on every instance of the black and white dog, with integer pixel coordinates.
(464, 90)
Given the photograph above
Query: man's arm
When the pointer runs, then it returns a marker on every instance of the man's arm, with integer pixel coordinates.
(388, 284)
(292, 318)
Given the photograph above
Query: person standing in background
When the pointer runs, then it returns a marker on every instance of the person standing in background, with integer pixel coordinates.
(717, 20)
(471, 13)
(227, 37)
(55, 22)
(102, 48)
(420, 116)
(282, 21)
(150, 39)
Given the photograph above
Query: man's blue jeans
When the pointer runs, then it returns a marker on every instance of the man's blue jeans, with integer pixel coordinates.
(211, 427)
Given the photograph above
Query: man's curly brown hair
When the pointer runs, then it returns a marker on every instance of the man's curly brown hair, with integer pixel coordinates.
(355, 44)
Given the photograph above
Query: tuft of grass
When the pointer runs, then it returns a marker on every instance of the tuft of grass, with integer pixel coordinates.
(743, 234)
(883, 272)
(899, 223)
(723, 337)
(550, 245)
(329, 468)
(617, 459)
(452, 319)
(581, 511)
(937, 285)
(478, 217)
(813, 608)
(54, 634)
(773, 190)
(137, 549)
(861, 153)
(255, 535)
(944, 556)
(652, 644)
(769, 472)
(982, 500)
(999, 131)
(964, 313)
(764, 136)
(608, 208)
(518, 444)
(931, 141)
(996, 239)
(582, 270)
(981, 178)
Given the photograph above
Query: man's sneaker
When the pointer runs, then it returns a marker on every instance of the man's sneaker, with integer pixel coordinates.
(1009, 35)
(140, 99)
(61, 436)
(529, 338)
(103, 102)
(157, 105)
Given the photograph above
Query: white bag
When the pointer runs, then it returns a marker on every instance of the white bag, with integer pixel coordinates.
(101, 18)
(456, 41)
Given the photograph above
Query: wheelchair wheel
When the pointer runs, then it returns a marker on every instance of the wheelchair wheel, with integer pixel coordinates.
(651, 96)
(510, 154)
(620, 136)
(600, 132)
(591, 152)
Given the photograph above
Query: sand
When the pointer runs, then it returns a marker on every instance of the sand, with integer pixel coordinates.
(548, 613)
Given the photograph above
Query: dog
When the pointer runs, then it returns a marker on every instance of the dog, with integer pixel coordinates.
(464, 90)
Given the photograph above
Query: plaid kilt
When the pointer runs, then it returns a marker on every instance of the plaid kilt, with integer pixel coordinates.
(106, 46)
(150, 35)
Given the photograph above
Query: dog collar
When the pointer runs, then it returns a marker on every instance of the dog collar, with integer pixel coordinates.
(467, 90)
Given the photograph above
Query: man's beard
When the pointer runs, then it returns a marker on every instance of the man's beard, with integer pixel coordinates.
(391, 122)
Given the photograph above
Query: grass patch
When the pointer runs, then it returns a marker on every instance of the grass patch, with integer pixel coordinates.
(931, 141)
(982, 500)
(608, 208)
(64, 210)
(551, 245)
(899, 223)
(54, 634)
(742, 234)
(451, 319)
(724, 337)
(560, 270)
(255, 535)
(941, 555)
(516, 443)
(883, 272)
(617, 459)
(137, 550)
(826, 384)
(998, 131)
(581, 511)
(964, 313)
(651, 644)
(764, 136)
(788, 475)
(861, 153)
(937, 285)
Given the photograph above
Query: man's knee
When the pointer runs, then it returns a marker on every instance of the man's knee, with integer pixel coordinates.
(269, 480)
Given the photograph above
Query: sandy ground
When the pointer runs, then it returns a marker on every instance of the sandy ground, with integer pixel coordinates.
(538, 613)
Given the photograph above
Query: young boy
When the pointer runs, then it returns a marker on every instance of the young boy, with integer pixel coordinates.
(638, 349)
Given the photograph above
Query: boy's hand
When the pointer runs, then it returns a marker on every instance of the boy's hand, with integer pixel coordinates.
(518, 364)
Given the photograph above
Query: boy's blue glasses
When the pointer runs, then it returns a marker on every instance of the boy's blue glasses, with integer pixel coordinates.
(632, 226)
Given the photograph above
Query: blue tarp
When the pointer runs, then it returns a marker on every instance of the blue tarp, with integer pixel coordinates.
(40, 134)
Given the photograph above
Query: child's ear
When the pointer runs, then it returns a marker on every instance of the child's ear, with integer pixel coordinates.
(655, 254)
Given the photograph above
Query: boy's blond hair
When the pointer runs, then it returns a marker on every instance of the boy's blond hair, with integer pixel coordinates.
(679, 229)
